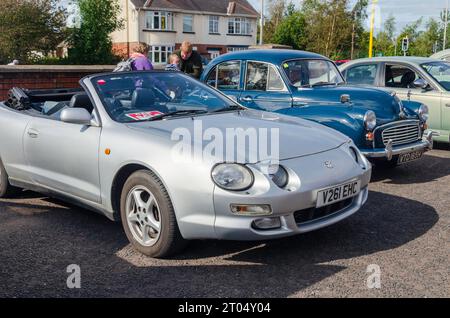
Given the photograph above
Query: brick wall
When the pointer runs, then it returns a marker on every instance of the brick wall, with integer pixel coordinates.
(45, 77)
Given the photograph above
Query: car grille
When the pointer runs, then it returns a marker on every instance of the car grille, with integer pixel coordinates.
(312, 214)
(401, 134)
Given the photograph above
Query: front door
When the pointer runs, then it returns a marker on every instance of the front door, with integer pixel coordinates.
(400, 78)
(226, 77)
(264, 88)
(64, 157)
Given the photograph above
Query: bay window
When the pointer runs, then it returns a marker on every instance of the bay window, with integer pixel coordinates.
(159, 20)
(239, 26)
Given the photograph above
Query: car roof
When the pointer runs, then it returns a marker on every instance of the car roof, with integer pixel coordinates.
(405, 59)
(275, 56)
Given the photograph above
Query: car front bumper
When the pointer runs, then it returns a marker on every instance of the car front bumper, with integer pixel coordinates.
(290, 206)
(423, 145)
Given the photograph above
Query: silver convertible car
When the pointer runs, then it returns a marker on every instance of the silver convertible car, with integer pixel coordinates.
(134, 147)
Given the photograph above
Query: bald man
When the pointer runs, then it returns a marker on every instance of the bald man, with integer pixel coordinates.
(190, 60)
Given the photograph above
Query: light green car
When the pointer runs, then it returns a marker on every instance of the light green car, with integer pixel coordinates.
(421, 79)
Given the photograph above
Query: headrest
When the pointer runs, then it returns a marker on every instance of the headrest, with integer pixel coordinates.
(81, 100)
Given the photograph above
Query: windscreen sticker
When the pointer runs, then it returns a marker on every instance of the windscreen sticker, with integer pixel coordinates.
(144, 115)
(101, 82)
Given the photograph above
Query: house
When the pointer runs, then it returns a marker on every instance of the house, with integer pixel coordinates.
(214, 27)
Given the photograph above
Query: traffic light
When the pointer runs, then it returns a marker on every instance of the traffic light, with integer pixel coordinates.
(405, 44)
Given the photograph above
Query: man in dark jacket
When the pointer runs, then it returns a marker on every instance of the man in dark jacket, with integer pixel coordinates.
(190, 61)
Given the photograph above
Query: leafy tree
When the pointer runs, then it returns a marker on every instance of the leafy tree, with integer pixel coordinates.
(277, 10)
(28, 27)
(291, 29)
(91, 42)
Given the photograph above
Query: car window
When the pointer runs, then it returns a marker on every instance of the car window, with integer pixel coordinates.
(362, 74)
(263, 77)
(275, 81)
(440, 71)
(229, 75)
(256, 79)
(400, 76)
(139, 96)
(305, 73)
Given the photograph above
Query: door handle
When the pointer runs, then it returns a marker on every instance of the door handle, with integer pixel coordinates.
(247, 99)
(447, 105)
(33, 133)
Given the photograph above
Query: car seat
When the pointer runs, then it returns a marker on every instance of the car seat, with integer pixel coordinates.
(407, 79)
(145, 99)
(81, 100)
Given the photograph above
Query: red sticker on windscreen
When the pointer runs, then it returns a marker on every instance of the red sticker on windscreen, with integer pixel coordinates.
(144, 115)
(101, 82)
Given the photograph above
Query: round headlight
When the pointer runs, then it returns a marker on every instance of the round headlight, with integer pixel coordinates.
(354, 154)
(232, 176)
(370, 120)
(424, 113)
(279, 175)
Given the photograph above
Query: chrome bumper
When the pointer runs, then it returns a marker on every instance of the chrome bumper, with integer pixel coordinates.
(388, 152)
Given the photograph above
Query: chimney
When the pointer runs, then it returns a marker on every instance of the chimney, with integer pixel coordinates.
(231, 7)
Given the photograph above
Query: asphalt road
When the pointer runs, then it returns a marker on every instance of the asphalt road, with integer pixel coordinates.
(404, 229)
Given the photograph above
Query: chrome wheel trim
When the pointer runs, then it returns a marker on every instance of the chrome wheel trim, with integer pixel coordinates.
(143, 216)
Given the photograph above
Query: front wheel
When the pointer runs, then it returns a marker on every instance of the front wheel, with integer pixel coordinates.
(6, 189)
(148, 216)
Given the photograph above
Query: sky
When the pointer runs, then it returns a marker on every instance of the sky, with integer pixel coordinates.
(405, 11)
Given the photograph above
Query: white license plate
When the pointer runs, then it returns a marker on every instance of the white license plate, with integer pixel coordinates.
(338, 193)
(411, 156)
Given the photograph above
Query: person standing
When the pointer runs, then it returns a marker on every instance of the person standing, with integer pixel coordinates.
(190, 60)
(140, 58)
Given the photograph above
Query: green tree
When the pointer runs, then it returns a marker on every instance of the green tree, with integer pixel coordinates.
(385, 40)
(277, 10)
(91, 42)
(28, 27)
(291, 30)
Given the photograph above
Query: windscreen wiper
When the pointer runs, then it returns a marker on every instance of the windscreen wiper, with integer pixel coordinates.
(178, 113)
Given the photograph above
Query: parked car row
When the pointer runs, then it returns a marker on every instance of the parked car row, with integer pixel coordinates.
(309, 86)
(114, 146)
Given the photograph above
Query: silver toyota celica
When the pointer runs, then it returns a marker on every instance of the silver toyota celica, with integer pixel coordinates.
(176, 160)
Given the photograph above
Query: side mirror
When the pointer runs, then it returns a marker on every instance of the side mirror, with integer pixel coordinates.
(78, 116)
(421, 83)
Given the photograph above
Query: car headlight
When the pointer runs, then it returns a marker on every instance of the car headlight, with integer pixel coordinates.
(424, 113)
(370, 120)
(279, 175)
(232, 176)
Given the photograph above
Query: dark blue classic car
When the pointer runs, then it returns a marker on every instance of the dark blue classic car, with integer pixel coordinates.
(310, 86)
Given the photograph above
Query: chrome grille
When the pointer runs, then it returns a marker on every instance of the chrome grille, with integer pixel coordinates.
(402, 134)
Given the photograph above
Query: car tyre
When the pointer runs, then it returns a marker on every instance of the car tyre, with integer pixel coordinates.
(148, 216)
(6, 189)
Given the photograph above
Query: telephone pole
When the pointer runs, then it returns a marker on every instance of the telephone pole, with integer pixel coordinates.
(261, 31)
(445, 28)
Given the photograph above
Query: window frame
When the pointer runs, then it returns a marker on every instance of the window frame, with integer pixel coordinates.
(169, 49)
(245, 26)
(377, 73)
(411, 68)
(216, 70)
(285, 89)
(151, 15)
(213, 21)
(191, 17)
